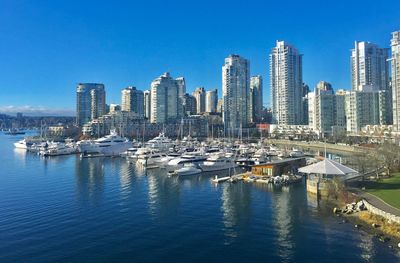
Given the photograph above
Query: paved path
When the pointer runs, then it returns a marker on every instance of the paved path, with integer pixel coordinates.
(319, 145)
(376, 201)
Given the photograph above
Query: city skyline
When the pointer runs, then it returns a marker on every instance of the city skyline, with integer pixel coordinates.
(81, 50)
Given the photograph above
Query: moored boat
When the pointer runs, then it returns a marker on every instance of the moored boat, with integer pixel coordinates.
(188, 169)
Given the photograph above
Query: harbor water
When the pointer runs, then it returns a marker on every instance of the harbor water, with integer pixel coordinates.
(67, 209)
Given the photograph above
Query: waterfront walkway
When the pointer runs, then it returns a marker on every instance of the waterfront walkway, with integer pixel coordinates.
(376, 201)
(319, 145)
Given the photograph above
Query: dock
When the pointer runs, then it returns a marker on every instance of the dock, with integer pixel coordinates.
(233, 178)
(93, 155)
(221, 179)
(151, 167)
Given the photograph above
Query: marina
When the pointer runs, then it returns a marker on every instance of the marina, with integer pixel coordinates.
(224, 161)
(212, 157)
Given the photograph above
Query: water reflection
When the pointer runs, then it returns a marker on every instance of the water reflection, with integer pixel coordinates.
(235, 207)
(89, 174)
(20, 154)
(163, 193)
(367, 247)
(282, 222)
(126, 172)
(312, 200)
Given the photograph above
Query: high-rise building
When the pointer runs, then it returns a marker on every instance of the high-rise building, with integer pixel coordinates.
(326, 110)
(341, 109)
(324, 87)
(90, 102)
(236, 92)
(366, 107)
(189, 105)
(164, 99)
(114, 108)
(211, 100)
(256, 98)
(181, 86)
(220, 105)
(147, 103)
(369, 66)
(181, 93)
(132, 100)
(304, 104)
(286, 84)
(200, 95)
(395, 83)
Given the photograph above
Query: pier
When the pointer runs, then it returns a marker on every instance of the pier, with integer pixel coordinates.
(236, 177)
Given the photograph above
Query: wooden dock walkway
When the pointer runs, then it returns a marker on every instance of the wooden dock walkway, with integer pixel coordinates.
(236, 177)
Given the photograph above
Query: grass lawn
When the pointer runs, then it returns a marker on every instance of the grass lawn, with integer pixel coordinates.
(387, 189)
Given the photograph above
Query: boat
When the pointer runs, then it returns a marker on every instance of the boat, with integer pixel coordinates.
(130, 152)
(244, 149)
(217, 162)
(14, 132)
(111, 144)
(295, 153)
(140, 151)
(161, 142)
(244, 161)
(58, 148)
(38, 146)
(151, 157)
(196, 157)
(188, 169)
(164, 161)
(23, 144)
(260, 156)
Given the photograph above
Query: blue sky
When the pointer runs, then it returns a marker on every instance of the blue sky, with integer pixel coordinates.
(46, 47)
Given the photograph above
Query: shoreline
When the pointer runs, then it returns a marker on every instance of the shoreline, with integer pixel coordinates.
(373, 224)
(380, 231)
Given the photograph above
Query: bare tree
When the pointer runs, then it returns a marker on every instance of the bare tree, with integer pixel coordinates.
(389, 154)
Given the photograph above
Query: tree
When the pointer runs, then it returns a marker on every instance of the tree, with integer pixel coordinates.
(389, 154)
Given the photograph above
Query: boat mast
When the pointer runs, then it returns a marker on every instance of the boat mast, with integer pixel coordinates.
(143, 130)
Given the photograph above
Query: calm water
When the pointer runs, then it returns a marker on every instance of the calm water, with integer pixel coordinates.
(99, 210)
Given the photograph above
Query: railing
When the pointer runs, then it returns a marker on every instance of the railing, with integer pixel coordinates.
(369, 173)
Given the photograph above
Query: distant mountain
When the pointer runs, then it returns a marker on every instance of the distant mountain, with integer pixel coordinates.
(37, 111)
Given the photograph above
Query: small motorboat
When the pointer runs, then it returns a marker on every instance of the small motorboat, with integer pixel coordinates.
(188, 169)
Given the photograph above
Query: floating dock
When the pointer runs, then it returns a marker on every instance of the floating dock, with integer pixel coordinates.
(232, 178)
(221, 179)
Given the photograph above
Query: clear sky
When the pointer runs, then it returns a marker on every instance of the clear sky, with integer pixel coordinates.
(46, 47)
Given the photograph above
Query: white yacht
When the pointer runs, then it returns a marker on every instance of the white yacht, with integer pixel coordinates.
(260, 156)
(217, 162)
(140, 151)
(22, 144)
(189, 157)
(151, 157)
(161, 142)
(295, 153)
(111, 144)
(273, 151)
(164, 161)
(38, 146)
(188, 169)
(245, 149)
(131, 151)
(58, 148)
